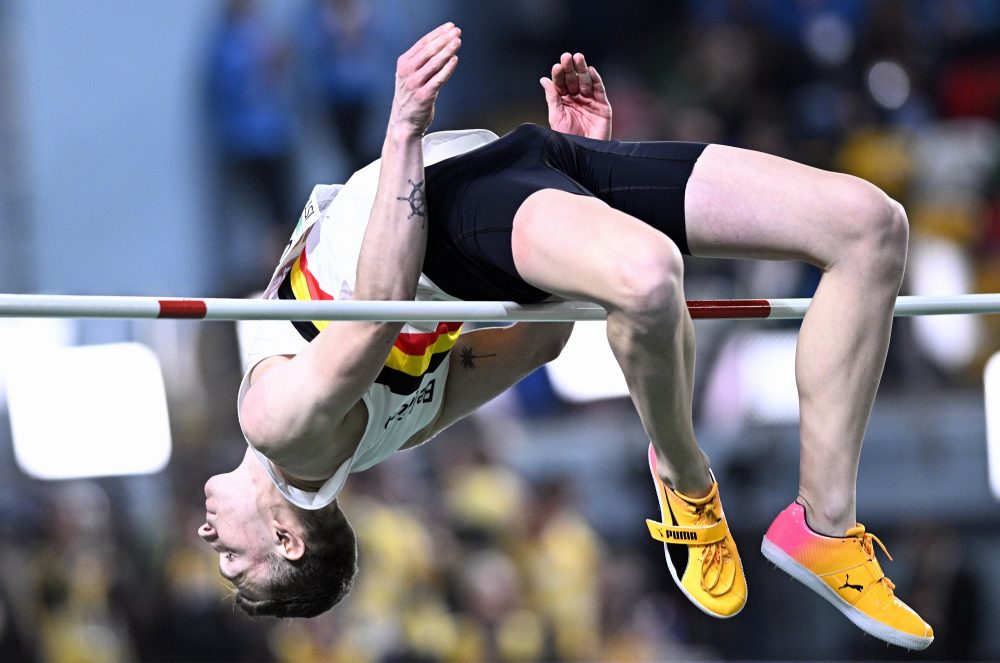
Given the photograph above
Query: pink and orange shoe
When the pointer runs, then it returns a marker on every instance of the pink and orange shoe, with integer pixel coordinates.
(698, 547)
(844, 571)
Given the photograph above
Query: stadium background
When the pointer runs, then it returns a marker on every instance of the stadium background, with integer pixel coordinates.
(128, 134)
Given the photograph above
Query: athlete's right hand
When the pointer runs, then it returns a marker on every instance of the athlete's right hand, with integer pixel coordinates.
(420, 74)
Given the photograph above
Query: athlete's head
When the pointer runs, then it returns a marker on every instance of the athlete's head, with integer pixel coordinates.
(283, 561)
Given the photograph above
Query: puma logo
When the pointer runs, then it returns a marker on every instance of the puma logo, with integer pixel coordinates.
(847, 583)
(667, 536)
(680, 536)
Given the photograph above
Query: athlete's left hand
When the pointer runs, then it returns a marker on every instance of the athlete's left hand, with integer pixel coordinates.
(578, 103)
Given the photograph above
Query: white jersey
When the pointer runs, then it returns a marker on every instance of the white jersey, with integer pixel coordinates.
(320, 262)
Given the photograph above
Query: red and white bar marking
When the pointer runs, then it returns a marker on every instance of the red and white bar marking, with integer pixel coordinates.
(88, 306)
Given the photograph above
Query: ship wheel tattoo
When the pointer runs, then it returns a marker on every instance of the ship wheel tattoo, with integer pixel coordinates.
(468, 358)
(417, 200)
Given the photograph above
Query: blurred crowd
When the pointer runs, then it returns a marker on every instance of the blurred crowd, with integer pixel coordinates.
(902, 93)
(464, 555)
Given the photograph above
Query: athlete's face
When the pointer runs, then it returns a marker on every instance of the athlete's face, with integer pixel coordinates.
(239, 521)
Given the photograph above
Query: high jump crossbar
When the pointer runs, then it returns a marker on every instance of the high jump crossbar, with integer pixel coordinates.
(91, 306)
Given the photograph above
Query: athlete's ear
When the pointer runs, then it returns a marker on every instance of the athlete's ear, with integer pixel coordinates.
(288, 543)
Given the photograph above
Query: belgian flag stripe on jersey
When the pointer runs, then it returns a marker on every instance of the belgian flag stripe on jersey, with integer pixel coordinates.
(404, 384)
(412, 355)
(300, 284)
(305, 278)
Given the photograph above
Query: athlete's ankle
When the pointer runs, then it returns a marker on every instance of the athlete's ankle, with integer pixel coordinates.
(826, 519)
(693, 481)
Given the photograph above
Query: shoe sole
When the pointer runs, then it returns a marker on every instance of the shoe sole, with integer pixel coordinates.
(670, 564)
(872, 627)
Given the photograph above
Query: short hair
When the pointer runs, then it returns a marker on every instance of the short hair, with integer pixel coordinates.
(315, 582)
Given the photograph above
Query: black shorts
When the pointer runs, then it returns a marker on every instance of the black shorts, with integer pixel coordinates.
(472, 199)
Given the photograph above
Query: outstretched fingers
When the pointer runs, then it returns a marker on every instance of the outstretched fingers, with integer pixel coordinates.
(576, 98)
(442, 74)
(559, 79)
(430, 54)
(551, 92)
(420, 73)
(572, 76)
(571, 80)
(583, 77)
(423, 46)
(600, 92)
(439, 62)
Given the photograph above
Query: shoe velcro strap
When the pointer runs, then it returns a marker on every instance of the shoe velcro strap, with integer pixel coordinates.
(694, 535)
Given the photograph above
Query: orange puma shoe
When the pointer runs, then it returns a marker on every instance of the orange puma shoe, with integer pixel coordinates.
(844, 571)
(698, 547)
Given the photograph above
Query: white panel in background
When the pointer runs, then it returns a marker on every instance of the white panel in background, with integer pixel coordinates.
(770, 395)
(991, 391)
(89, 411)
(30, 337)
(587, 370)
(941, 267)
(752, 381)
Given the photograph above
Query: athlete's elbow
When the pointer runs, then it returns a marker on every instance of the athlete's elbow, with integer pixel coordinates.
(258, 422)
(270, 422)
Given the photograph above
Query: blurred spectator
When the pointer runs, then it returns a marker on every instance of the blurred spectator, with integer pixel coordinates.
(252, 129)
(562, 558)
(465, 557)
(346, 55)
(945, 587)
(77, 577)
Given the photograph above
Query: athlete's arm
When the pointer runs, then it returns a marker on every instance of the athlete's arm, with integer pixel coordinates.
(486, 362)
(295, 404)
(576, 98)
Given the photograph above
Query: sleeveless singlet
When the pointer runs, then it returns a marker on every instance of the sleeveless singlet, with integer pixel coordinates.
(319, 263)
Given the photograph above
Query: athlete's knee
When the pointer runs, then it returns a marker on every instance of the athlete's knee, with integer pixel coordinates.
(649, 280)
(885, 241)
(873, 231)
(895, 237)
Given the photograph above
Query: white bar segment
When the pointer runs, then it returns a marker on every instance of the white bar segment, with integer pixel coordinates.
(86, 306)
(906, 306)
(82, 306)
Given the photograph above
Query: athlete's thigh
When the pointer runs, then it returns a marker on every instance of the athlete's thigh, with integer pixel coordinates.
(580, 247)
(746, 204)
(486, 362)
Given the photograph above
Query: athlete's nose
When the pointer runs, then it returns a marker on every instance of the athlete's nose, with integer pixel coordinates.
(207, 533)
